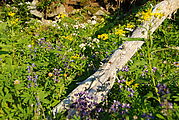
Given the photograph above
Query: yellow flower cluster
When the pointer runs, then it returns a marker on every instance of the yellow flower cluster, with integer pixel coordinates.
(14, 21)
(130, 26)
(62, 15)
(75, 57)
(68, 37)
(11, 14)
(145, 16)
(103, 36)
(128, 83)
(135, 85)
(120, 32)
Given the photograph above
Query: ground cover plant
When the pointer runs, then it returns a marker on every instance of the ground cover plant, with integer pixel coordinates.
(41, 63)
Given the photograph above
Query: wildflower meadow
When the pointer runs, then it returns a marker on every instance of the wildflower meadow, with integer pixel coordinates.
(40, 64)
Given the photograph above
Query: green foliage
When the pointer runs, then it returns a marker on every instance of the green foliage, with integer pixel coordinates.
(40, 64)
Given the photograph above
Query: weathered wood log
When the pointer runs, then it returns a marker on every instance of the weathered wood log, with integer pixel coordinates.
(105, 76)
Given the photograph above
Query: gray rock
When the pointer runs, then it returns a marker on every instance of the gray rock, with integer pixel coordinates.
(36, 13)
(58, 10)
(53, 13)
(100, 13)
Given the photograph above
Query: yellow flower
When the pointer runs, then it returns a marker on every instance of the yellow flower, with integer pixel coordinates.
(16, 82)
(135, 85)
(62, 15)
(50, 74)
(120, 32)
(15, 21)
(145, 16)
(103, 36)
(11, 14)
(130, 26)
(128, 83)
(158, 15)
(102, 19)
(65, 75)
(68, 37)
(75, 57)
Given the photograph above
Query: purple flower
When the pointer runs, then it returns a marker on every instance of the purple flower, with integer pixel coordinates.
(120, 86)
(125, 69)
(29, 77)
(84, 104)
(33, 65)
(131, 95)
(154, 69)
(28, 69)
(147, 116)
(121, 81)
(162, 89)
(115, 106)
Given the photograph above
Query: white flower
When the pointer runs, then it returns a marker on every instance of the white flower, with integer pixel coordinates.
(70, 49)
(91, 45)
(82, 26)
(28, 3)
(29, 46)
(82, 45)
(89, 38)
(96, 40)
(93, 18)
(65, 25)
(76, 26)
(59, 20)
(54, 24)
(20, 4)
(93, 22)
(74, 34)
(88, 21)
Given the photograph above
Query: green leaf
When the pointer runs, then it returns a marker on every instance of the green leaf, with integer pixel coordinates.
(160, 116)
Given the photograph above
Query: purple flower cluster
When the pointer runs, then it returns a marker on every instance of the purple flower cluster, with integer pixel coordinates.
(165, 104)
(145, 71)
(84, 104)
(44, 44)
(32, 77)
(121, 81)
(119, 107)
(125, 69)
(131, 92)
(148, 116)
(57, 73)
(162, 89)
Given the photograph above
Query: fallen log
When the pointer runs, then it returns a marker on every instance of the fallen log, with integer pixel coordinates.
(106, 74)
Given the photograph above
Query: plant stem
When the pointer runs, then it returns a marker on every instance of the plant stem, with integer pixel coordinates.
(150, 57)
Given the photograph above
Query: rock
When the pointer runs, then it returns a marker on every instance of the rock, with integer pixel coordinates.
(36, 13)
(57, 10)
(100, 13)
(54, 11)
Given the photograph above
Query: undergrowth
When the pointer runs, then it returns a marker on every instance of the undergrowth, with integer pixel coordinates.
(41, 63)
